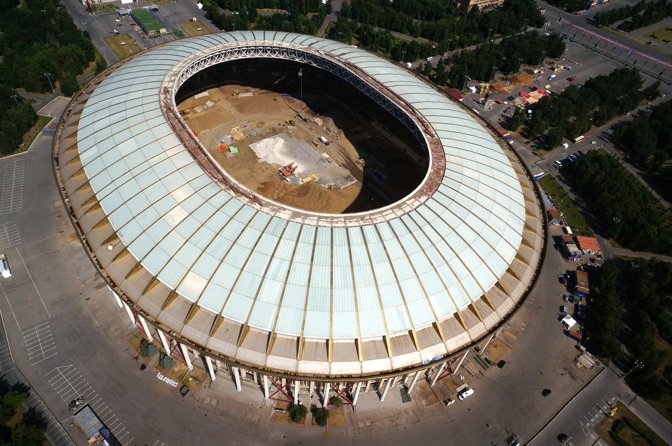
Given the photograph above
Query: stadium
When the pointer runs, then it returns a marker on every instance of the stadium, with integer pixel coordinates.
(288, 298)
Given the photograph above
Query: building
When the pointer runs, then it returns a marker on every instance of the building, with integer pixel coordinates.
(481, 4)
(289, 299)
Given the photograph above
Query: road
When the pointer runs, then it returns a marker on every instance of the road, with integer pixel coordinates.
(101, 25)
(578, 418)
(618, 47)
(58, 303)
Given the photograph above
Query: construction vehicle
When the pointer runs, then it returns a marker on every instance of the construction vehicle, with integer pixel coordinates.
(288, 170)
(613, 410)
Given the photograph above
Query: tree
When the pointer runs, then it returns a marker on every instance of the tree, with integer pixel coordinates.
(297, 412)
(27, 435)
(321, 415)
(147, 349)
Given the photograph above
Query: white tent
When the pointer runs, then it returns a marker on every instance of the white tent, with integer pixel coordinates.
(568, 322)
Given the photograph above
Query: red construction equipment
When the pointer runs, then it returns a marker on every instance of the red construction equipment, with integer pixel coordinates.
(288, 170)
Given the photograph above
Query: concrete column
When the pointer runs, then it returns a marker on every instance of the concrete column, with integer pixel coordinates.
(296, 392)
(358, 386)
(187, 359)
(487, 342)
(283, 381)
(311, 387)
(236, 377)
(143, 322)
(387, 387)
(164, 341)
(129, 312)
(461, 361)
(366, 388)
(327, 388)
(265, 380)
(415, 379)
(116, 297)
(439, 372)
(211, 371)
(254, 377)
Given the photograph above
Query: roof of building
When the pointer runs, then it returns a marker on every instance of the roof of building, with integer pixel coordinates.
(588, 243)
(276, 269)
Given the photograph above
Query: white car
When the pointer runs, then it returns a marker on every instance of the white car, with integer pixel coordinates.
(464, 391)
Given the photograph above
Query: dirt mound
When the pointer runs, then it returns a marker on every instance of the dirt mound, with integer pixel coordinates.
(308, 196)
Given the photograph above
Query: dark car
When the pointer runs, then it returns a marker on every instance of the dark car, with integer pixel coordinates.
(501, 364)
(562, 280)
(562, 438)
(546, 392)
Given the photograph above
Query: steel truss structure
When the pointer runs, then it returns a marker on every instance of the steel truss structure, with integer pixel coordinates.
(228, 53)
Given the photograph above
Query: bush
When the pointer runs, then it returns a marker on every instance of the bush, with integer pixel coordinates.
(297, 412)
(336, 401)
(321, 415)
(147, 349)
(165, 361)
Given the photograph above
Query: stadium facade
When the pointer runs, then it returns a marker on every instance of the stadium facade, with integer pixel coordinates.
(294, 300)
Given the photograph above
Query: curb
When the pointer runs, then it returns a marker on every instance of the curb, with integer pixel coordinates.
(565, 405)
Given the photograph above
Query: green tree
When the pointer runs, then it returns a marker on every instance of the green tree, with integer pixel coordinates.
(297, 412)
(321, 415)
(27, 435)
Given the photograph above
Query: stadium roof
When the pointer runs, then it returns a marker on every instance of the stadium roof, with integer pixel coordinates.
(308, 275)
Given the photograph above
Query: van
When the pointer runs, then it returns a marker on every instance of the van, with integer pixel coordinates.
(465, 393)
(558, 163)
(323, 140)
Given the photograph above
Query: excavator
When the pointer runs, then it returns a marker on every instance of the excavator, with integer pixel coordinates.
(288, 170)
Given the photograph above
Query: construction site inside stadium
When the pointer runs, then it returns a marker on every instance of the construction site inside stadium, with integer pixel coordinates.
(301, 136)
(297, 212)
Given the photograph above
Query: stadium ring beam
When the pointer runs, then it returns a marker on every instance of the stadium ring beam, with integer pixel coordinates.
(291, 299)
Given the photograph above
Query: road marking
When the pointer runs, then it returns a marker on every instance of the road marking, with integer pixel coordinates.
(9, 235)
(40, 344)
(159, 443)
(11, 199)
(10, 306)
(31, 279)
(6, 361)
(55, 433)
(69, 384)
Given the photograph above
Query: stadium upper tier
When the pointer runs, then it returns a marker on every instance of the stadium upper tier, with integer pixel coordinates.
(254, 282)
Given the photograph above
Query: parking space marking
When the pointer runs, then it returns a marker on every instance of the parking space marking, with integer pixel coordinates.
(11, 194)
(40, 344)
(55, 433)
(9, 235)
(6, 361)
(69, 384)
(159, 443)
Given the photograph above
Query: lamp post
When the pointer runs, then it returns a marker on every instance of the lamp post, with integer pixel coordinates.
(466, 78)
(488, 38)
(638, 365)
(543, 55)
(48, 75)
(301, 78)
(403, 53)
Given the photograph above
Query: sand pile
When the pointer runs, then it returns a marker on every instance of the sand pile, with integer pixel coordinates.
(308, 196)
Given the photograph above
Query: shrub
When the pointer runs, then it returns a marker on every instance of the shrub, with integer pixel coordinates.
(297, 412)
(336, 401)
(165, 361)
(147, 348)
(321, 415)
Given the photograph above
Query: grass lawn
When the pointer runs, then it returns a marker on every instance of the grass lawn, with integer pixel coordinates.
(664, 34)
(633, 432)
(147, 18)
(566, 206)
(196, 28)
(125, 49)
(31, 134)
